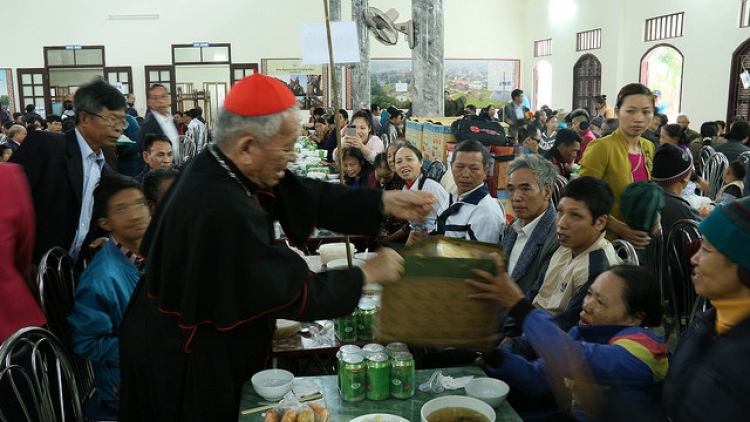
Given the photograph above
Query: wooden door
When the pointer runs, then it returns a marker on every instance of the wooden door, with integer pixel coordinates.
(164, 75)
(587, 81)
(238, 71)
(33, 88)
(739, 96)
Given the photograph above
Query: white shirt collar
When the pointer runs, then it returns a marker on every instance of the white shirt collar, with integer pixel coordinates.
(527, 229)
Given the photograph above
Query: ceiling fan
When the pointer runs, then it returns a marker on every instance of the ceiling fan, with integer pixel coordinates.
(384, 27)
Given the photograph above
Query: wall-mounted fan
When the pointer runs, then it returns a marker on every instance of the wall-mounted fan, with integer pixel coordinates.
(384, 27)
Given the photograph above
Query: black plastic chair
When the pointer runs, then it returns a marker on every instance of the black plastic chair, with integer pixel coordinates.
(713, 173)
(57, 280)
(557, 188)
(683, 240)
(626, 252)
(36, 379)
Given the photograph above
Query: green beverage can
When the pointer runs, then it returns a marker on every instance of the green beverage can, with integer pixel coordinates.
(403, 375)
(396, 347)
(372, 348)
(378, 376)
(353, 378)
(366, 313)
(346, 328)
(347, 349)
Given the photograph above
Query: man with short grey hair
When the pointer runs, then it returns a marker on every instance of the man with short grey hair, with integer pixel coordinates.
(530, 240)
(201, 323)
(684, 121)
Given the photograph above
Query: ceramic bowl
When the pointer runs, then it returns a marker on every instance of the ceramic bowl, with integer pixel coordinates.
(343, 263)
(331, 251)
(457, 401)
(272, 384)
(489, 390)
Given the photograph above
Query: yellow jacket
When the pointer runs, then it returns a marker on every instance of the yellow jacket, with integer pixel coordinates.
(607, 159)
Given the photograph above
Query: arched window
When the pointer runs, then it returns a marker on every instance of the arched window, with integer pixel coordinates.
(661, 69)
(739, 95)
(542, 84)
(587, 81)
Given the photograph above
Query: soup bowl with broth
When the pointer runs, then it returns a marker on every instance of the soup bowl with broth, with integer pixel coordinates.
(457, 409)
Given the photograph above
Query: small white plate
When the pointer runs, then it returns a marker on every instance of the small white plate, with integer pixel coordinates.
(386, 417)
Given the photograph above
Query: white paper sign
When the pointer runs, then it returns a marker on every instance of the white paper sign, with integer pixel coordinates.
(314, 42)
(745, 77)
(402, 87)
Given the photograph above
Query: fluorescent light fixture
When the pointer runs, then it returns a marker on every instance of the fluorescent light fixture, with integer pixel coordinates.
(133, 17)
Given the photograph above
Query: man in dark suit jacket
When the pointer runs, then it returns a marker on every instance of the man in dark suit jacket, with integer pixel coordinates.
(159, 121)
(738, 135)
(511, 110)
(63, 169)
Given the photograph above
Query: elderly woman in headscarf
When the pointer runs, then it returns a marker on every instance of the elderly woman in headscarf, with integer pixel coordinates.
(708, 375)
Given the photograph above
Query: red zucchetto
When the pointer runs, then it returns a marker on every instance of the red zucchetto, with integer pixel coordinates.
(259, 95)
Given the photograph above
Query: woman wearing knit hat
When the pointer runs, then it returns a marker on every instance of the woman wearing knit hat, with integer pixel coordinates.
(708, 375)
(672, 168)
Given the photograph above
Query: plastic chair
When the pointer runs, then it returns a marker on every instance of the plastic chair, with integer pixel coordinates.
(557, 189)
(57, 279)
(713, 172)
(36, 374)
(706, 152)
(683, 240)
(626, 252)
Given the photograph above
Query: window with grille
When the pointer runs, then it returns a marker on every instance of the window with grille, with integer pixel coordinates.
(663, 27)
(745, 15)
(543, 48)
(589, 40)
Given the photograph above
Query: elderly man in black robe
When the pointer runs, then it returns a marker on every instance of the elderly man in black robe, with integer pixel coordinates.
(201, 321)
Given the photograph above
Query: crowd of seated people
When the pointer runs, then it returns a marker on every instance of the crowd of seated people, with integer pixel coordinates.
(569, 291)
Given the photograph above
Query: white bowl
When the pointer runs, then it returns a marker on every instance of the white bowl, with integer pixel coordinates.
(331, 251)
(489, 390)
(457, 401)
(343, 263)
(272, 384)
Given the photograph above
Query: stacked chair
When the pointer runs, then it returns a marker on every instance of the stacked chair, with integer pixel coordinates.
(37, 383)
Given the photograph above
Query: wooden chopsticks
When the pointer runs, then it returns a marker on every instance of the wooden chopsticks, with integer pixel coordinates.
(271, 406)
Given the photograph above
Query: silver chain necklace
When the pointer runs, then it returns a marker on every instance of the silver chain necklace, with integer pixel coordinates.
(212, 150)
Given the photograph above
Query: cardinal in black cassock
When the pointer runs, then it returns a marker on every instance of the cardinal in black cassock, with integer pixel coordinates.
(201, 321)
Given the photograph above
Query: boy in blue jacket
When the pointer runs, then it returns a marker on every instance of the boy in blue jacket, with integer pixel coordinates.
(108, 282)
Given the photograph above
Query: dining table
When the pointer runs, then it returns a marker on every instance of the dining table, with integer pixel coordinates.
(344, 411)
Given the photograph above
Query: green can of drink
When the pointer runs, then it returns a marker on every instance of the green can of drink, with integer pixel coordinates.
(372, 348)
(366, 313)
(347, 349)
(396, 347)
(346, 328)
(353, 378)
(378, 376)
(403, 376)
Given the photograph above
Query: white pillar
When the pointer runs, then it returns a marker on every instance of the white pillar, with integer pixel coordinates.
(361, 71)
(427, 57)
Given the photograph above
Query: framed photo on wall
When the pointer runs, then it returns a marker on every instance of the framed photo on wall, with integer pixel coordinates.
(7, 95)
(481, 81)
(309, 82)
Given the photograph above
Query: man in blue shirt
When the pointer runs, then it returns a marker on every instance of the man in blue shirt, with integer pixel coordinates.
(108, 282)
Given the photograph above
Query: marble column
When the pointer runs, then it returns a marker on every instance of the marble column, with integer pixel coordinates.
(427, 58)
(334, 12)
(361, 70)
